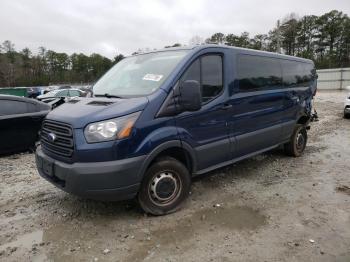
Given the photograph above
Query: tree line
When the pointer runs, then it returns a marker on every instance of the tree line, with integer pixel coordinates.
(23, 68)
(325, 39)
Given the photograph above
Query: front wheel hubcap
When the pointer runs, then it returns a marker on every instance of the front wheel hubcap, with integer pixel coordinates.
(300, 141)
(164, 188)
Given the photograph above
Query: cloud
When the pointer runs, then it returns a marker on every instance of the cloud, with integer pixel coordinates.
(110, 27)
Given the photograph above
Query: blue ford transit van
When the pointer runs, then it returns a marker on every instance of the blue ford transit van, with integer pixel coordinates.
(158, 119)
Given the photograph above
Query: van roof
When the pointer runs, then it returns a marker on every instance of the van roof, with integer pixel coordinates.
(246, 50)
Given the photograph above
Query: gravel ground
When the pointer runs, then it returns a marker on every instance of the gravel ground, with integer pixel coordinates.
(268, 208)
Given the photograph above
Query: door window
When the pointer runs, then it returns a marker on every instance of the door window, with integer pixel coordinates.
(211, 73)
(207, 70)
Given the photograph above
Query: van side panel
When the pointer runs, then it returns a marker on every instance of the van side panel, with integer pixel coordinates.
(257, 111)
(299, 82)
(294, 108)
(206, 132)
(256, 121)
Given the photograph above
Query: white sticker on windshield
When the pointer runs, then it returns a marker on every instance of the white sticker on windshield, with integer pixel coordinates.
(152, 77)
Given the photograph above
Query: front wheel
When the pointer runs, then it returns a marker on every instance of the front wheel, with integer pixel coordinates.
(165, 187)
(296, 146)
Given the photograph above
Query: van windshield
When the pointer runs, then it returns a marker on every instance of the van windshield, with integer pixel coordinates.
(138, 75)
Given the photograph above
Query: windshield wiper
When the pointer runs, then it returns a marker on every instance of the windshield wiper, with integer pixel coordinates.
(108, 96)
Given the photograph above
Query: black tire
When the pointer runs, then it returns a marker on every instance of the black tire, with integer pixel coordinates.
(295, 147)
(165, 186)
(346, 115)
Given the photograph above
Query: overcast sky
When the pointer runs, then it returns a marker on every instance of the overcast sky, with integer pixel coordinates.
(109, 27)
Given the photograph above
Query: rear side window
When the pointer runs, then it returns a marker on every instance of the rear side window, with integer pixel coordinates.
(310, 71)
(297, 74)
(10, 107)
(207, 70)
(256, 73)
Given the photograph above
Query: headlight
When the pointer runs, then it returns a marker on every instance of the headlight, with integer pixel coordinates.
(111, 129)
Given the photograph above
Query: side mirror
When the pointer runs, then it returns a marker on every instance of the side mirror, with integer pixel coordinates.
(186, 96)
(190, 96)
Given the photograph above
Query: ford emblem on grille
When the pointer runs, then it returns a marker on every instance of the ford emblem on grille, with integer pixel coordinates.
(51, 137)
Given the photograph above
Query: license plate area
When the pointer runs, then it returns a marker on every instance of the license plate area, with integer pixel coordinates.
(48, 168)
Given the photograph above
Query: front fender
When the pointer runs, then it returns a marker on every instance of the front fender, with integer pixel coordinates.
(166, 145)
(156, 138)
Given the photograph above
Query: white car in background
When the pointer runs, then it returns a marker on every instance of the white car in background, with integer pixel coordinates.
(347, 104)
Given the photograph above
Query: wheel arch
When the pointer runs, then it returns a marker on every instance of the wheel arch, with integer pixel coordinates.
(176, 149)
(303, 120)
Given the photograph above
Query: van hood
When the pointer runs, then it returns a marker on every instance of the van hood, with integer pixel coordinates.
(79, 112)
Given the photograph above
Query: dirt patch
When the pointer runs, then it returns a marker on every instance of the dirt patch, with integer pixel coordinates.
(229, 218)
(344, 189)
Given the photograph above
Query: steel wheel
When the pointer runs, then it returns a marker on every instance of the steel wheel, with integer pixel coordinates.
(300, 142)
(297, 143)
(164, 188)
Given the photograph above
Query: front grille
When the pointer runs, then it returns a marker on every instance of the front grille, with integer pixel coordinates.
(63, 144)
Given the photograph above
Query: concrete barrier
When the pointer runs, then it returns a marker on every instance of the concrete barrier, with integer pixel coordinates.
(333, 79)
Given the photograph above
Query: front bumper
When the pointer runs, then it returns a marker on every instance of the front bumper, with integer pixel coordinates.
(112, 180)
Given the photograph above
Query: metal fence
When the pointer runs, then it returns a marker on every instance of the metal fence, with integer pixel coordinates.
(337, 78)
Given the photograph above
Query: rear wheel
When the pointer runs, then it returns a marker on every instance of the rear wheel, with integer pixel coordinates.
(165, 187)
(296, 146)
(346, 115)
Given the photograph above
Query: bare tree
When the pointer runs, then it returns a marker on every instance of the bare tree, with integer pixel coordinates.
(196, 40)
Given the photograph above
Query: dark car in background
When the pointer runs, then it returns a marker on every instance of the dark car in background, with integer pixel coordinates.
(33, 92)
(20, 122)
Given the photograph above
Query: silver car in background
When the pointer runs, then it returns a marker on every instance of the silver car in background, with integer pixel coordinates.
(347, 104)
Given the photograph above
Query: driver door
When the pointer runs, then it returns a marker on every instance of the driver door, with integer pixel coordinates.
(206, 130)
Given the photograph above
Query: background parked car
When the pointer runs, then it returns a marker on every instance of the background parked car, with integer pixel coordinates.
(347, 104)
(59, 93)
(87, 91)
(55, 87)
(64, 87)
(20, 122)
(33, 92)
